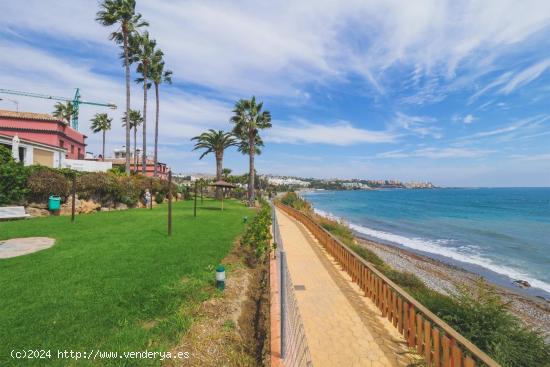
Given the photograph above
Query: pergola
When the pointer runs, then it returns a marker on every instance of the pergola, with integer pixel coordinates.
(223, 185)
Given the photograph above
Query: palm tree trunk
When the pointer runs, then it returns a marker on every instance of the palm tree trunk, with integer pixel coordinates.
(219, 164)
(155, 158)
(251, 198)
(135, 150)
(127, 71)
(144, 151)
(103, 152)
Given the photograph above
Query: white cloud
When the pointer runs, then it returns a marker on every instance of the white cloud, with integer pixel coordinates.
(279, 48)
(526, 76)
(436, 153)
(417, 125)
(339, 133)
(468, 119)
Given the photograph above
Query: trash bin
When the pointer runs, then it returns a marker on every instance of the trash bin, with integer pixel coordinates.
(54, 203)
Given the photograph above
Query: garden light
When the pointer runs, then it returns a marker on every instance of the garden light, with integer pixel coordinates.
(220, 277)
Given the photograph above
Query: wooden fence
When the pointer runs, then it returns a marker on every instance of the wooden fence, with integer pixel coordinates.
(437, 342)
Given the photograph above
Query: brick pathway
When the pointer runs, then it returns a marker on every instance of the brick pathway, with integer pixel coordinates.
(343, 328)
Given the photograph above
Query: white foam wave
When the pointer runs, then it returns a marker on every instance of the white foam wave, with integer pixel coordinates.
(437, 247)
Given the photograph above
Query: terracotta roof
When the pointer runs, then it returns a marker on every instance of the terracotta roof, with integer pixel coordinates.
(28, 116)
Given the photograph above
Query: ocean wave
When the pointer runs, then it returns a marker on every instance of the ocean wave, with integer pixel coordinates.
(438, 247)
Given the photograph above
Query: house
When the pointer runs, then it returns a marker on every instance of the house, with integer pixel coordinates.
(119, 160)
(30, 152)
(42, 128)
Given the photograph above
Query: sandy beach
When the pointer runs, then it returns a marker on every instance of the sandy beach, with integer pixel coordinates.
(444, 278)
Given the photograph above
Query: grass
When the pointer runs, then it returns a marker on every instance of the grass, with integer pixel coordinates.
(113, 281)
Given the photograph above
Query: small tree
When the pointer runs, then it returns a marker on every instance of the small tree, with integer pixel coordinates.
(101, 123)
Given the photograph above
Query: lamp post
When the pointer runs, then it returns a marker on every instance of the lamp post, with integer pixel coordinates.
(12, 101)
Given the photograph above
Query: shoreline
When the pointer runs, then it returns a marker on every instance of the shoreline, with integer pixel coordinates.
(444, 278)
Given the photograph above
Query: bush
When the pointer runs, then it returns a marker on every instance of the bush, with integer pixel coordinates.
(97, 186)
(43, 182)
(13, 179)
(159, 198)
(257, 236)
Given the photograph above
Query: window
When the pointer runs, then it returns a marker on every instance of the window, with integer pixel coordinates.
(72, 148)
(79, 151)
(61, 143)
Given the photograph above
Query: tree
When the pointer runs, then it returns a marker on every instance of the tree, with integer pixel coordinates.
(64, 111)
(249, 119)
(158, 75)
(135, 121)
(142, 49)
(226, 172)
(123, 14)
(101, 123)
(216, 142)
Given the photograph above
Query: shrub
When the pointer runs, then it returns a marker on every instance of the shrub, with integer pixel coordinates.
(293, 200)
(96, 186)
(257, 236)
(43, 182)
(159, 198)
(13, 179)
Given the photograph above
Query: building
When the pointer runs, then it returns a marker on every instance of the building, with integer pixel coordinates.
(119, 160)
(30, 152)
(43, 129)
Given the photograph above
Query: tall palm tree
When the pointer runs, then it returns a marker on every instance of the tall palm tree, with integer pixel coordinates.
(135, 121)
(123, 14)
(142, 50)
(158, 75)
(249, 119)
(216, 142)
(64, 111)
(101, 123)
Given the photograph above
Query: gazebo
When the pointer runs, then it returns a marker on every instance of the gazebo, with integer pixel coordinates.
(223, 185)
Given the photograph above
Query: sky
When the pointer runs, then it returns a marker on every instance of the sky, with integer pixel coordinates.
(452, 92)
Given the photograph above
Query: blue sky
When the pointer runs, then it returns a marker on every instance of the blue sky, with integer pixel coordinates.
(454, 92)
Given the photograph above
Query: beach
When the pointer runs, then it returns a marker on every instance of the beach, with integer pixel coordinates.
(444, 278)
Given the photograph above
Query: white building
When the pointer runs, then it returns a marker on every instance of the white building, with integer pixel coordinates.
(31, 152)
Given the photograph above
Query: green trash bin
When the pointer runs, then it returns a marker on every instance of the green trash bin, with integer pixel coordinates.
(54, 203)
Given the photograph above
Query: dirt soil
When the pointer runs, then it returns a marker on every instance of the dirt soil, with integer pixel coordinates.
(232, 328)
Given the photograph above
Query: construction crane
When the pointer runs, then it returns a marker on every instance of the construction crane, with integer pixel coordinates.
(75, 101)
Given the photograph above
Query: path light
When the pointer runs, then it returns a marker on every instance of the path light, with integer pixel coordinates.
(220, 277)
(245, 219)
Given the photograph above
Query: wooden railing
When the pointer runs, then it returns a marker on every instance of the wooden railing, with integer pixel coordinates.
(437, 342)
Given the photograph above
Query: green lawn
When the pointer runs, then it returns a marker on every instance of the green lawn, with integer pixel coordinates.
(113, 281)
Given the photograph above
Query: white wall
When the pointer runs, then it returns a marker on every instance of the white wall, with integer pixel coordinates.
(87, 166)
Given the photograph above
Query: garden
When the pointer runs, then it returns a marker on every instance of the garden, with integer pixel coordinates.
(114, 281)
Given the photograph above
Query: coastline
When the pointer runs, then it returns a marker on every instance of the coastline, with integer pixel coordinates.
(444, 278)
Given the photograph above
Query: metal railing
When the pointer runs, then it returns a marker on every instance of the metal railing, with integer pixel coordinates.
(294, 348)
(435, 340)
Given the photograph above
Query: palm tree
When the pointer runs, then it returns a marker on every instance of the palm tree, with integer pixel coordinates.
(249, 119)
(226, 172)
(135, 121)
(101, 122)
(215, 142)
(158, 75)
(122, 13)
(64, 111)
(142, 50)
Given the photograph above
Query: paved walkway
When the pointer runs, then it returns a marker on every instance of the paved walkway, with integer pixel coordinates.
(342, 326)
(22, 246)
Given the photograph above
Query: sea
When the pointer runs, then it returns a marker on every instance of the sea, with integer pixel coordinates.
(502, 234)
